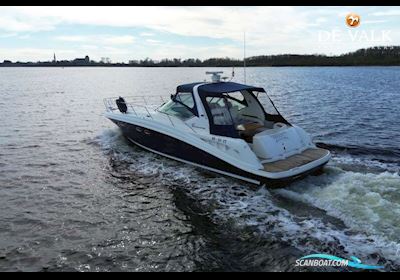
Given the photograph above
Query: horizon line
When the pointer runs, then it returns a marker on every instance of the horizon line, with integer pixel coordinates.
(202, 60)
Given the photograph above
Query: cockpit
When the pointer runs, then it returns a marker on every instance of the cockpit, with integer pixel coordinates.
(242, 111)
(233, 110)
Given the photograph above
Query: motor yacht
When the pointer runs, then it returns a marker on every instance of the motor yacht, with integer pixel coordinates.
(226, 127)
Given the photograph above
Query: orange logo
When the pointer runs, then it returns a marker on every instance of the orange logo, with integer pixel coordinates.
(353, 20)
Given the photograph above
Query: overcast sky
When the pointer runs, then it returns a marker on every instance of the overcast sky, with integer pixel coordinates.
(126, 33)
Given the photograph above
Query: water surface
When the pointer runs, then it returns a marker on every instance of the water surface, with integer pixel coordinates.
(76, 196)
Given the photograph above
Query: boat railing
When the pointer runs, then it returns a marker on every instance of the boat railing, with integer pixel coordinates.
(146, 107)
(145, 100)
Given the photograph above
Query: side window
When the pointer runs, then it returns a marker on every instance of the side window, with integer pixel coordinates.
(266, 103)
(186, 98)
(219, 111)
(236, 100)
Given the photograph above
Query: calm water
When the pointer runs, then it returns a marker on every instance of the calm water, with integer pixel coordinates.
(75, 195)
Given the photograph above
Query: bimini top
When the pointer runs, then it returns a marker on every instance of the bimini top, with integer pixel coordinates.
(217, 88)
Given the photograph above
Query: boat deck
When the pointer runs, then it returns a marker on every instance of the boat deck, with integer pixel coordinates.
(305, 157)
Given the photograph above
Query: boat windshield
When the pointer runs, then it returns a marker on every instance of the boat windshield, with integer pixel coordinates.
(182, 106)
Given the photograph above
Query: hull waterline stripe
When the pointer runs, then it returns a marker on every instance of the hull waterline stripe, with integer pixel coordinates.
(197, 165)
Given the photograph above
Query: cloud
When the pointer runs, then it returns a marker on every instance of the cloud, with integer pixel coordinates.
(213, 22)
(8, 35)
(152, 41)
(100, 39)
(40, 54)
(269, 30)
(13, 25)
(373, 21)
(90, 47)
(146, 34)
(14, 21)
(386, 13)
(263, 25)
(119, 40)
(73, 38)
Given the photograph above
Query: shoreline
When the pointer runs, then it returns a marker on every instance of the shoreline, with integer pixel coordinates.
(208, 66)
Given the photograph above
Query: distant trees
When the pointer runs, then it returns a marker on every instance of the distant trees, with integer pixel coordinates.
(380, 55)
(388, 55)
(190, 62)
(105, 60)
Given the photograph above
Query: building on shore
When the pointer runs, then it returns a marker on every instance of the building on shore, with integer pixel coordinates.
(81, 61)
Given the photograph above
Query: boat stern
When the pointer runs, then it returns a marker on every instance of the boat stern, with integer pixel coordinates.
(284, 171)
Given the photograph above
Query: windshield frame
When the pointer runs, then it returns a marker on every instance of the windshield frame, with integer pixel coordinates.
(192, 110)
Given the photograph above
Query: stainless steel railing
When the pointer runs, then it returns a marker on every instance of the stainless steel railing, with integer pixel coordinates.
(148, 100)
(146, 104)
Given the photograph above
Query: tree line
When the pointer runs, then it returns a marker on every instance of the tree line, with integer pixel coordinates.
(380, 55)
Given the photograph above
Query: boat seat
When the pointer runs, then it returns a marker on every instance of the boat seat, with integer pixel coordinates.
(248, 130)
(251, 127)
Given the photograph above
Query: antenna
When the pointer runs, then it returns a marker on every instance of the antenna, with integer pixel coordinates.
(244, 56)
